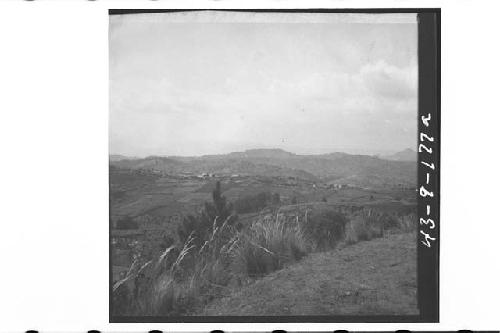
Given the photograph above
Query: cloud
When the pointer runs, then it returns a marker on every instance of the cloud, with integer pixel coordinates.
(388, 81)
(196, 89)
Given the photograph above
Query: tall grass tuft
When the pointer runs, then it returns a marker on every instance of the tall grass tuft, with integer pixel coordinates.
(369, 224)
(325, 229)
(408, 223)
(269, 244)
(364, 226)
(198, 274)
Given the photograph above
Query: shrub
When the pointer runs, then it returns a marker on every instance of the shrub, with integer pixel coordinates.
(252, 203)
(375, 224)
(275, 199)
(255, 203)
(126, 223)
(357, 230)
(409, 222)
(390, 221)
(325, 229)
(364, 226)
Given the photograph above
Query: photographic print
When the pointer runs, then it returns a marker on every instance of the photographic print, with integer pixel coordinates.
(273, 166)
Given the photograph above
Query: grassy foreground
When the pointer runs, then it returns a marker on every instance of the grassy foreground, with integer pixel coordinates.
(216, 257)
(374, 277)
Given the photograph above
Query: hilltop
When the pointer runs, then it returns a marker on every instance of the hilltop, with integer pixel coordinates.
(118, 157)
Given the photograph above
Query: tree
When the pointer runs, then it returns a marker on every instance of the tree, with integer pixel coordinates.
(276, 199)
(213, 215)
(219, 209)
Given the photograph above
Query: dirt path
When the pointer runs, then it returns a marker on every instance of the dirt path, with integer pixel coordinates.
(374, 277)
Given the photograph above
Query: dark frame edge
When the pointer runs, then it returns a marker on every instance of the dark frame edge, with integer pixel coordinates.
(429, 103)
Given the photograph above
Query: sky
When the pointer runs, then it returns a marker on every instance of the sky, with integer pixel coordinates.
(212, 83)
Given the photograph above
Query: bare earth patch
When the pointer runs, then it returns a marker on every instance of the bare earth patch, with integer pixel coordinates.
(376, 277)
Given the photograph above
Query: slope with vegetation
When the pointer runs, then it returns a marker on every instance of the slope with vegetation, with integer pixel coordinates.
(367, 278)
(215, 255)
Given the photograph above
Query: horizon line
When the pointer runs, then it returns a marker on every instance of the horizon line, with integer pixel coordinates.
(263, 149)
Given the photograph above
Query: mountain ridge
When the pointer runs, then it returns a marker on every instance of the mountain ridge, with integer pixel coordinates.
(343, 167)
(407, 154)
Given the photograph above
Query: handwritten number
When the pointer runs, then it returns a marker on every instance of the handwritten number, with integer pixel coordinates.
(429, 222)
(431, 165)
(425, 136)
(427, 239)
(424, 147)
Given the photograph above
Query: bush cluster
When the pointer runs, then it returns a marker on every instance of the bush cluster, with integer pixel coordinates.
(367, 224)
(255, 203)
(126, 223)
(325, 229)
(268, 245)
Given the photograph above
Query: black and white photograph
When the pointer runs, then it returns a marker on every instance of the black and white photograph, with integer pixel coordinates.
(263, 164)
(249, 166)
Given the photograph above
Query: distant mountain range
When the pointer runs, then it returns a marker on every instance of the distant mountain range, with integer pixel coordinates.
(405, 155)
(117, 157)
(338, 167)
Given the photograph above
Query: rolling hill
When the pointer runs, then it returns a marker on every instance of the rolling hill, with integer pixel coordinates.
(338, 167)
(406, 155)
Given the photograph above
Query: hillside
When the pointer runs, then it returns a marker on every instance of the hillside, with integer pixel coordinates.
(117, 157)
(376, 277)
(158, 163)
(344, 168)
(408, 155)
